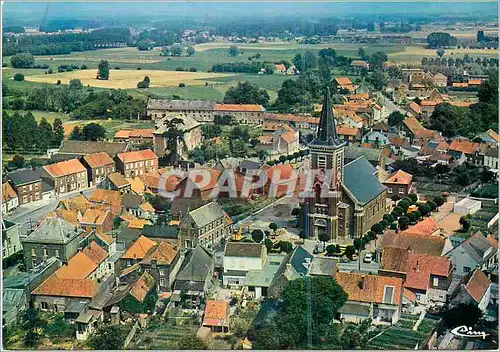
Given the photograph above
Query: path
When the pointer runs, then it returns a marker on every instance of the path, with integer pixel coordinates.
(420, 318)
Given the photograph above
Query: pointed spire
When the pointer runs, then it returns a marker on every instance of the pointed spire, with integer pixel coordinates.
(327, 132)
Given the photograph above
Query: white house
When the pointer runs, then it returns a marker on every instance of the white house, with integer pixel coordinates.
(10, 200)
(467, 206)
(239, 258)
(491, 158)
(11, 238)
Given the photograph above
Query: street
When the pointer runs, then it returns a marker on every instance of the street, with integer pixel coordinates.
(28, 214)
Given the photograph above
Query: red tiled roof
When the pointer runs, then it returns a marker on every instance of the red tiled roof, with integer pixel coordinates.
(413, 124)
(217, 310)
(67, 287)
(477, 285)
(8, 192)
(93, 216)
(138, 155)
(464, 146)
(98, 159)
(492, 241)
(142, 287)
(429, 103)
(63, 168)
(425, 227)
(288, 136)
(95, 252)
(105, 238)
(142, 132)
(283, 173)
(164, 254)
(139, 248)
(117, 179)
(369, 288)
(347, 131)
(293, 118)
(80, 266)
(343, 81)
(239, 107)
(400, 178)
(460, 85)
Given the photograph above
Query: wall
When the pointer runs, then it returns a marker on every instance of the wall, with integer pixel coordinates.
(242, 263)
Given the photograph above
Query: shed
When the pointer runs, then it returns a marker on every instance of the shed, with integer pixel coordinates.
(467, 206)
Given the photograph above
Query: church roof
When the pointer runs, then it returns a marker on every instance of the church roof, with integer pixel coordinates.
(360, 180)
(327, 133)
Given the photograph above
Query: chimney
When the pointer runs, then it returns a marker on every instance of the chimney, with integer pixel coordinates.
(79, 249)
(416, 266)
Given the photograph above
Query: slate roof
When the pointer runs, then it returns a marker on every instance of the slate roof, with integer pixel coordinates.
(89, 147)
(327, 133)
(128, 235)
(160, 231)
(197, 265)
(352, 152)
(173, 105)
(22, 177)
(131, 201)
(323, 266)
(12, 298)
(248, 164)
(207, 214)
(476, 246)
(53, 230)
(244, 249)
(360, 180)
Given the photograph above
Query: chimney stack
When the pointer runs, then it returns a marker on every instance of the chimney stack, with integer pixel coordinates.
(362, 283)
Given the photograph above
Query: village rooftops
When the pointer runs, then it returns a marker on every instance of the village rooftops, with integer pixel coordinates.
(244, 249)
(413, 124)
(98, 159)
(65, 287)
(432, 245)
(188, 123)
(22, 177)
(464, 146)
(426, 227)
(137, 133)
(239, 107)
(142, 286)
(207, 214)
(90, 147)
(80, 266)
(95, 252)
(371, 288)
(181, 105)
(53, 230)
(163, 254)
(8, 192)
(216, 313)
(138, 155)
(139, 248)
(93, 216)
(64, 168)
(118, 180)
(477, 284)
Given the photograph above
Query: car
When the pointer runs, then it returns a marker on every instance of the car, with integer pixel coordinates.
(368, 258)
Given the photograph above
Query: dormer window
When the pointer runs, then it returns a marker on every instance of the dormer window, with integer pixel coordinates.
(388, 294)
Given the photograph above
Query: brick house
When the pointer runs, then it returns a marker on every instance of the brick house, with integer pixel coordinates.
(65, 176)
(99, 166)
(27, 184)
(137, 136)
(162, 264)
(54, 237)
(191, 139)
(399, 183)
(98, 220)
(136, 163)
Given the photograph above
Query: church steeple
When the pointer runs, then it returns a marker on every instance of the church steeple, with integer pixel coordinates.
(327, 132)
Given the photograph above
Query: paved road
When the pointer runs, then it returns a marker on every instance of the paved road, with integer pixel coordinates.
(390, 105)
(28, 214)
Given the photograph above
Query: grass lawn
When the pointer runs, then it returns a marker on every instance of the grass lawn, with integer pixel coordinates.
(49, 116)
(111, 126)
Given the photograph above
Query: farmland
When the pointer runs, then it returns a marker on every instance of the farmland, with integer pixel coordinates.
(126, 79)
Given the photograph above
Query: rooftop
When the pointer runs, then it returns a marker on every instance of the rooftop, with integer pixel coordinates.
(65, 287)
(207, 214)
(142, 286)
(80, 266)
(90, 147)
(53, 230)
(64, 168)
(139, 248)
(98, 159)
(371, 288)
(244, 249)
(360, 180)
(138, 155)
(22, 177)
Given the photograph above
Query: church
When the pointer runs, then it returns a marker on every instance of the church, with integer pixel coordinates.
(347, 198)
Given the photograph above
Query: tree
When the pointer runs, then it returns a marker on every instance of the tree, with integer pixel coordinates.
(285, 246)
(75, 84)
(93, 132)
(439, 200)
(362, 53)
(233, 50)
(32, 325)
(269, 244)
(465, 222)
(480, 36)
(413, 198)
(17, 162)
(30, 131)
(174, 136)
(440, 39)
(398, 210)
(404, 204)
(22, 60)
(450, 120)
(262, 154)
(257, 235)
(19, 77)
(191, 342)
(103, 70)
(377, 60)
(76, 134)
(296, 211)
(107, 337)
(273, 227)
(404, 222)
(143, 84)
(224, 120)
(350, 251)
(389, 218)
(143, 46)
(45, 135)
(377, 79)
(463, 314)
(395, 118)
(432, 205)
(440, 52)
(176, 50)
(246, 93)
(424, 209)
(324, 237)
(488, 91)
(190, 51)
(378, 228)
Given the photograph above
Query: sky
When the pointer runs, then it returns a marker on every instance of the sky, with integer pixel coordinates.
(14, 12)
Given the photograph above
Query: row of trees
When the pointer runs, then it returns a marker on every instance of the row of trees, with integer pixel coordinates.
(175, 50)
(459, 62)
(23, 132)
(241, 67)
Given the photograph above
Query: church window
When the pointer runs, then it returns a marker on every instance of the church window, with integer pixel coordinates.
(321, 162)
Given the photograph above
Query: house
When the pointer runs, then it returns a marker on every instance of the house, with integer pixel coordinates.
(131, 202)
(135, 300)
(280, 68)
(474, 252)
(207, 225)
(191, 138)
(116, 182)
(97, 220)
(195, 274)
(376, 139)
(239, 258)
(11, 238)
(410, 127)
(65, 176)
(136, 136)
(468, 148)
(373, 297)
(99, 256)
(413, 109)
(399, 183)
(474, 288)
(490, 137)
(467, 206)
(54, 237)
(294, 265)
(80, 266)
(55, 294)
(75, 149)
(491, 158)
(344, 83)
(427, 276)
(27, 184)
(258, 281)
(283, 141)
(242, 113)
(137, 251)
(87, 322)
(99, 166)
(10, 200)
(426, 227)
(216, 316)
(136, 163)
(200, 110)
(13, 305)
(303, 122)
(360, 64)
(431, 245)
(323, 266)
(349, 134)
(162, 264)
(106, 200)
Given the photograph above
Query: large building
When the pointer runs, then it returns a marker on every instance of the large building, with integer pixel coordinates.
(66, 176)
(205, 111)
(191, 139)
(353, 200)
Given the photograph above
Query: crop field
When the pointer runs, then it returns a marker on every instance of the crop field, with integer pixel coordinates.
(126, 79)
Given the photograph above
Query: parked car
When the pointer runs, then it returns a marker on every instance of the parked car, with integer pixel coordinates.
(368, 258)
